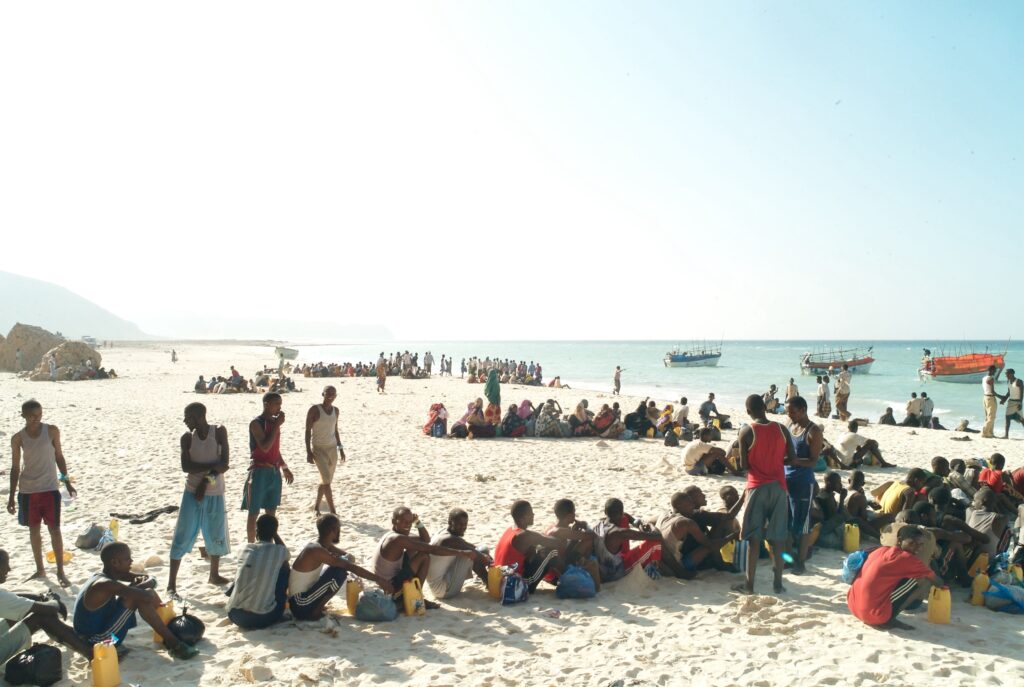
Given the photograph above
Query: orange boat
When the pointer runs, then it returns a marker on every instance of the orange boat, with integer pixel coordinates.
(966, 369)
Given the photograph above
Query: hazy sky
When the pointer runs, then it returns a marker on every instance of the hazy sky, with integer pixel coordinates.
(523, 170)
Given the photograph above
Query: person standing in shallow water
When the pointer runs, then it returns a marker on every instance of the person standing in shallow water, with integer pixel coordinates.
(617, 381)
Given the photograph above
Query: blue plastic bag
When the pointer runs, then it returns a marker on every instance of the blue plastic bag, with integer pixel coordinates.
(853, 563)
(1004, 599)
(514, 590)
(374, 605)
(575, 583)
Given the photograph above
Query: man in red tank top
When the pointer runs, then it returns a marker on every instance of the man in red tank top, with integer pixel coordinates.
(765, 448)
(531, 552)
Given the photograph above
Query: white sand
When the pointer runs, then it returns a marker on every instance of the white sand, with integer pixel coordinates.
(121, 442)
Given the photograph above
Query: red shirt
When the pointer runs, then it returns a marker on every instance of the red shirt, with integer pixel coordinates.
(507, 554)
(1018, 479)
(993, 478)
(766, 455)
(870, 594)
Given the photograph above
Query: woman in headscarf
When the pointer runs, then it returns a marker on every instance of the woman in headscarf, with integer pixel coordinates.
(513, 425)
(478, 424)
(580, 421)
(460, 428)
(492, 390)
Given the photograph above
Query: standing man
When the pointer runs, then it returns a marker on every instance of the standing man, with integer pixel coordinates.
(263, 485)
(617, 381)
(927, 408)
(765, 448)
(1013, 400)
(37, 471)
(428, 361)
(204, 459)
(824, 398)
(382, 374)
(791, 390)
(988, 393)
(843, 392)
(323, 445)
(51, 364)
(807, 441)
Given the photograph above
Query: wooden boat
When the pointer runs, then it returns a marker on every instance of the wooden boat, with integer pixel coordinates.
(965, 368)
(286, 353)
(830, 361)
(694, 356)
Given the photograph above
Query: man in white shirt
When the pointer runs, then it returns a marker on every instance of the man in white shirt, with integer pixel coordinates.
(1013, 399)
(791, 390)
(843, 392)
(824, 398)
(913, 418)
(988, 393)
(447, 574)
(683, 414)
(702, 457)
(22, 616)
(853, 449)
(927, 408)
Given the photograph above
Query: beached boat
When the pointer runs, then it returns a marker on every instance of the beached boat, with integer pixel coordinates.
(964, 368)
(831, 360)
(286, 353)
(694, 356)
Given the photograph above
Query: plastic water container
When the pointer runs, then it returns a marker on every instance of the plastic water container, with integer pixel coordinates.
(939, 606)
(51, 557)
(851, 537)
(167, 614)
(728, 552)
(114, 527)
(980, 565)
(105, 671)
(352, 590)
(1017, 572)
(494, 577)
(412, 597)
(978, 587)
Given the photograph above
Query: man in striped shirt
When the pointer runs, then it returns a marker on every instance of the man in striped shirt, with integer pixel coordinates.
(258, 594)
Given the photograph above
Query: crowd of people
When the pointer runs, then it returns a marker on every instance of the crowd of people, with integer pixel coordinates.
(235, 383)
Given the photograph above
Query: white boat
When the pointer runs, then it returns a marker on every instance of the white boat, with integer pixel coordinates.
(695, 356)
(286, 353)
(830, 361)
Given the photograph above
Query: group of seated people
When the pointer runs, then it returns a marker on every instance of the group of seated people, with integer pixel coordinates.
(913, 420)
(320, 369)
(237, 384)
(509, 372)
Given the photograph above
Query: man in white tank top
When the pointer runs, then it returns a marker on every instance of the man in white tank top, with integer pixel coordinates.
(37, 458)
(1013, 398)
(988, 394)
(204, 459)
(323, 445)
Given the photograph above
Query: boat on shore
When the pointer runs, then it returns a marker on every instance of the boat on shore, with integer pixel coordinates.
(286, 353)
(828, 361)
(963, 368)
(694, 356)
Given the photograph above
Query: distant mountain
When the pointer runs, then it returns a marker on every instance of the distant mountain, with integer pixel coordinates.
(199, 325)
(56, 309)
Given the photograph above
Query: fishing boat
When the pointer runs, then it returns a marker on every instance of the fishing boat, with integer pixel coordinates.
(963, 368)
(694, 356)
(827, 361)
(286, 353)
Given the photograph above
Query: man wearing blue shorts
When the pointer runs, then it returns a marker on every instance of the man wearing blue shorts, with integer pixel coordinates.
(204, 459)
(263, 485)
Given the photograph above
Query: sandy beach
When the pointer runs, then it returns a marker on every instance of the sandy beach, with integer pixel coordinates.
(121, 440)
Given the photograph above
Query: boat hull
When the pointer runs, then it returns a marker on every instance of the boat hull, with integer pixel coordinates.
(687, 361)
(964, 369)
(962, 378)
(825, 368)
(286, 353)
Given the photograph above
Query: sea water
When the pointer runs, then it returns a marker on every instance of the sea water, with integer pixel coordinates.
(745, 367)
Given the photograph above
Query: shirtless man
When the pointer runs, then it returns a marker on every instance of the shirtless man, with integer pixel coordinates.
(400, 556)
(858, 507)
(320, 571)
(108, 602)
(263, 484)
(578, 538)
(616, 533)
(716, 524)
(530, 553)
(204, 459)
(36, 474)
(448, 574)
(323, 445)
(686, 548)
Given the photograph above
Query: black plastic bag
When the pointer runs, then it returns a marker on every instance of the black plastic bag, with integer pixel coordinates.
(40, 664)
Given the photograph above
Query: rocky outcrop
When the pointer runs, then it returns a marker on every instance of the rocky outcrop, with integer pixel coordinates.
(33, 342)
(74, 361)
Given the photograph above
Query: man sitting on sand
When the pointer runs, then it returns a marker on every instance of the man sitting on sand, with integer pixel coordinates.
(853, 449)
(447, 574)
(320, 571)
(400, 556)
(37, 470)
(204, 459)
(887, 418)
(106, 604)
(899, 496)
(27, 614)
(257, 597)
(616, 555)
(702, 457)
(858, 507)
(530, 553)
(578, 539)
(890, 579)
(708, 412)
(263, 485)
(686, 548)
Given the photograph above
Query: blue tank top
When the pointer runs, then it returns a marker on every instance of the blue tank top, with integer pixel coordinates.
(800, 475)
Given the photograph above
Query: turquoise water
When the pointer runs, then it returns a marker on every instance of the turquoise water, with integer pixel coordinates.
(746, 367)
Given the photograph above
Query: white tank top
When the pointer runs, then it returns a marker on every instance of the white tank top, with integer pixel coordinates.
(1014, 391)
(322, 433)
(38, 463)
(300, 582)
(382, 566)
(207, 452)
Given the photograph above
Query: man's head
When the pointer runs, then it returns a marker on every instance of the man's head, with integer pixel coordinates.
(940, 497)
(329, 394)
(913, 394)
(706, 434)
(916, 478)
(940, 466)
(696, 496)
(328, 527)
(997, 461)
(857, 480)
(1010, 374)
(683, 401)
(924, 394)
(992, 370)
(924, 512)
(852, 426)
(755, 407)
(910, 538)
(984, 499)
(402, 520)
(845, 367)
(888, 411)
(711, 397)
(271, 403)
(32, 411)
(818, 379)
(796, 409)
(458, 521)
(729, 495)
(825, 379)
(266, 527)
(833, 482)
(195, 416)
(116, 558)
(613, 510)
(682, 504)
(958, 465)
(5, 566)
(565, 510)
(522, 513)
